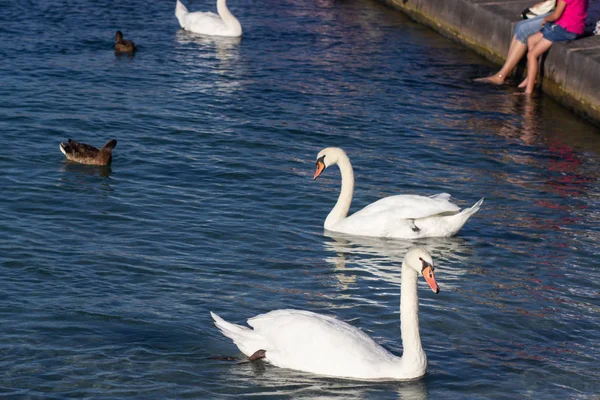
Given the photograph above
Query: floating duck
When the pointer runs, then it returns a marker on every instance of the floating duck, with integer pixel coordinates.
(122, 45)
(87, 154)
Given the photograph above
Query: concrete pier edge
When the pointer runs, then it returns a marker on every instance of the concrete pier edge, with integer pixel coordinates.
(570, 72)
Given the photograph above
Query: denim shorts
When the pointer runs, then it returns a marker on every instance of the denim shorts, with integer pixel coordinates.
(556, 33)
(527, 27)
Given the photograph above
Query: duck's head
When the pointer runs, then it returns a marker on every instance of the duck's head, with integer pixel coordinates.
(328, 157)
(118, 36)
(419, 260)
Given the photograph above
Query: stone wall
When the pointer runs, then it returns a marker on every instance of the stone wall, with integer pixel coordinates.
(570, 72)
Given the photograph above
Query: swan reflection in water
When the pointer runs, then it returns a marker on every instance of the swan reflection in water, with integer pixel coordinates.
(213, 65)
(382, 258)
(268, 379)
(224, 46)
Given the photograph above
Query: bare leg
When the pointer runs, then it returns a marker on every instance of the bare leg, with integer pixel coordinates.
(523, 83)
(513, 57)
(534, 39)
(539, 47)
(531, 42)
(516, 51)
(512, 43)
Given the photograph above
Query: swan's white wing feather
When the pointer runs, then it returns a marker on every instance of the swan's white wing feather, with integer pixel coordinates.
(381, 224)
(320, 344)
(409, 206)
(443, 196)
(385, 222)
(204, 22)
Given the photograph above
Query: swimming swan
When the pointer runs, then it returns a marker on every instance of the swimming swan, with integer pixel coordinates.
(305, 341)
(209, 23)
(401, 216)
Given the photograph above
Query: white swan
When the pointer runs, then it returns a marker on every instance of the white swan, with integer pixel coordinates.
(209, 23)
(324, 345)
(402, 216)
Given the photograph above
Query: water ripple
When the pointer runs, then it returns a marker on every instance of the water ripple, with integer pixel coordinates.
(209, 205)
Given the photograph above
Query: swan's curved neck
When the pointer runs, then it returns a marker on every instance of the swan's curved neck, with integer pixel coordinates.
(409, 318)
(227, 16)
(340, 210)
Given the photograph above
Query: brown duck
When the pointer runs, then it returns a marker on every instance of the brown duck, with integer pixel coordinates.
(123, 46)
(86, 154)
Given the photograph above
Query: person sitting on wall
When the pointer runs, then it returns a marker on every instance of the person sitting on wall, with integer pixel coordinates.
(567, 22)
(518, 47)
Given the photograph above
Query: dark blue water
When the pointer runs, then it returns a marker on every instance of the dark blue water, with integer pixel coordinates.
(108, 274)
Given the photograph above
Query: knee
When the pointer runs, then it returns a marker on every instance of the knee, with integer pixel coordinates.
(532, 41)
(531, 56)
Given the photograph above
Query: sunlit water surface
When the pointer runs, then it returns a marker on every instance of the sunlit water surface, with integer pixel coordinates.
(108, 275)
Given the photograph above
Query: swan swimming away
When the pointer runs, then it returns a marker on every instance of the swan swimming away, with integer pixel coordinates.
(401, 216)
(209, 23)
(306, 341)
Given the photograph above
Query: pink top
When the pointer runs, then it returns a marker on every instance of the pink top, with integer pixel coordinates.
(574, 15)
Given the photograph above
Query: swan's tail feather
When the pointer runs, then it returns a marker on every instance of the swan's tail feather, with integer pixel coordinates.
(245, 338)
(180, 13)
(473, 209)
(462, 217)
(228, 329)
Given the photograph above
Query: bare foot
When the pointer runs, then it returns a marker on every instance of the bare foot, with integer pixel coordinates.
(523, 84)
(497, 79)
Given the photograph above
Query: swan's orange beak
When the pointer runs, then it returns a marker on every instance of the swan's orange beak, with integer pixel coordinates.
(430, 278)
(320, 168)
